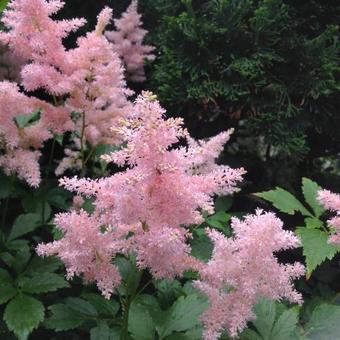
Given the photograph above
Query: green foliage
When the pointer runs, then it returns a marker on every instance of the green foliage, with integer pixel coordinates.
(314, 235)
(315, 247)
(284, 201)
(310, 189)
(272, 322)
(23, 314)
(3, 4)
(272, 65)
(182, 316)
(24, 224)
(324, 323)
(141, 325)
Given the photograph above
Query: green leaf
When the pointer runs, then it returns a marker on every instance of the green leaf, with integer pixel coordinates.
(23, 225)
(177, 336)
(7, 291)
(310, 189)
(42, 283)
(183, 315)
(23, 121)
(21, 260)
(43, 265)
(3, 4)
(37, 205)
(201, 248)
(285, 326)
(71, 314)
(315, 247)
(63, 318)
(223, 203)
(81, 307)
(23, 314)
(324, 323)
(102, 332)
(313, 223)
(284, 201)
(5, 182)
(141, 325)
(265, 311)
(102, 305)
(130, 274)
(58, 197)
(249, 334)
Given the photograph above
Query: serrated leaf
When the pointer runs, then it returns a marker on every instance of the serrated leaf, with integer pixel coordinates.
(141, 325)
(285, 326)
(183, 315)
(81, 307)
(201, 248)
(315, 247)
(284, 201)
(309, 190)
(7, 291)
(265, 311)
(23, 225)
(5, 276)
(42, 283)
(23, 314)
(18, 245)
(102, 332)
(313, 223)
(37, 205)
(324, 323)
(102, 305)
(43, 265)
(130, 274)
(63, 318)
(249, 334)
(21, 260)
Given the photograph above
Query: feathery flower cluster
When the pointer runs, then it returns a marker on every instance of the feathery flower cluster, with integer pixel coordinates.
(162, 190)
(243, 269)
(128, 43)
(90, 77)
(331, 201)
(18, 142)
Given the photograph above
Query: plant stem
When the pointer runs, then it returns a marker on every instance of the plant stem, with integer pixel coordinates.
(124, 333)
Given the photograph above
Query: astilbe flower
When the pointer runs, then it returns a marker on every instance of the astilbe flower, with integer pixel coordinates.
(89, 76)
(85, 249)
(243, 269)
(18, 143)
(99, 90)
(128, 42)
(331, 201)
(148, 205)
(37, 38)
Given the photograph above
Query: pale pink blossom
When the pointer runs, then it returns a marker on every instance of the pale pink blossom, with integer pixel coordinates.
(87, 80)
(331, 201)
(148, 206)
(128, 43)
(243, 269)
(23, 163)
(86, 250)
